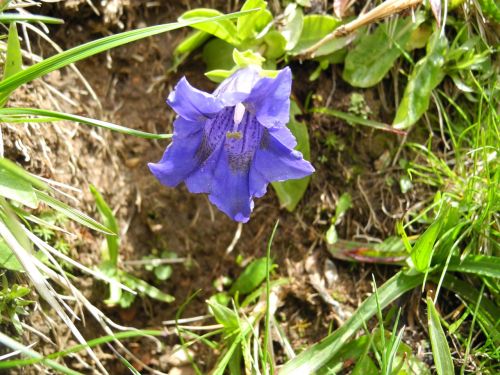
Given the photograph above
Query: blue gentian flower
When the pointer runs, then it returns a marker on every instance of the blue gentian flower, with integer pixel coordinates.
(232, 143)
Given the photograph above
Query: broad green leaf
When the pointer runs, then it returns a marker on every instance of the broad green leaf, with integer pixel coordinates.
(317, 355)
(163, 272)
(218, 55)
(218, 75)
(143, 287)
(73, 213)
(4, 112)
(423, 249)
(477, 264)
(224, 315)
(97, 46)
(316, 26)
(248, 57)
(250, 25)
(16, 17)
(21, 173)
(364, 366)
(426, 75)
(275, 45)
(13, 62)
(223, 29)
(440, 348)
(344, 203)
(390, 251)
(17, 189)
(290, 192)
(487, 311)
(13, 58)
(253, 275)
(357, 120)
(373, 56)
(7, 258)
(110, 222)
(294, 21)
(193, 41)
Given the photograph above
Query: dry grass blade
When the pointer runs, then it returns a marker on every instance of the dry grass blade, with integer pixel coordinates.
(42, 287)
(386, 9)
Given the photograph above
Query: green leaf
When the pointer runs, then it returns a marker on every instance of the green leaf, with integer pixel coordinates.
(163, 272)
(253, 275)
(373, 56)
(20, 172)
(317, 355)
(357, 120)
(482, 265)
(144, 288)
(344, 203)
(193, 41)
(275, 45)
(16, 17)
(72, 213)
(364, 366)
(250, 25)
(426, 75)
(218, 75)
(248, 57)
(218, 55)
(423, 249)
(290, 192)
(294, 21)
(223, 29)
(17, 189)
(110, 222)
(7, 258)
(223, 315)
(97, 46)
(13, 58)
(487, 312)
(80, 119)
(315, 28)
(440, 348)
(491, 9)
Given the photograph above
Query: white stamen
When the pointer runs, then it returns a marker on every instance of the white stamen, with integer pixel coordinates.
(239, 112)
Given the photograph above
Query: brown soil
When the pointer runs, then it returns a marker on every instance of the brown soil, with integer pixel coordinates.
(132, 84)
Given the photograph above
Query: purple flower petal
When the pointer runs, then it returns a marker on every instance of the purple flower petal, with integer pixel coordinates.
(270, 99)
(230, 190)
(236, 88)
(179, 159)
(193, 104)
(286, 163)
(231, 144)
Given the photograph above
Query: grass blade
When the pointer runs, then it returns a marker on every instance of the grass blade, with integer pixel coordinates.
(72, 213)
(110, 222)
(58, 116)
(20, 172)
(316, 356)
(358, 120)
(440, 348)
(97, 46)
(16, 17)
(13, 59)
(7, 341)
(478, 264)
